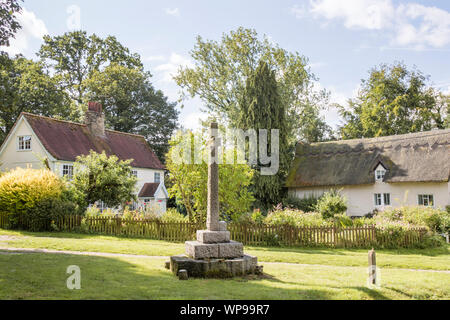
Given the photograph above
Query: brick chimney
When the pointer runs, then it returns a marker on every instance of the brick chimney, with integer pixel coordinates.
(95, 119)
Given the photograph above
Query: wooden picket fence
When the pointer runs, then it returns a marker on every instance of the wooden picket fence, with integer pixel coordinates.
(249, 234)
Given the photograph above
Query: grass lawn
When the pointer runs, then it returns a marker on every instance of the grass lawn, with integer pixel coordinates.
(309, 273)
(43, 276)
(430, 259)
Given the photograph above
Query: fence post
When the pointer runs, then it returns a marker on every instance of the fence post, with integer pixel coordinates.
(372, 267)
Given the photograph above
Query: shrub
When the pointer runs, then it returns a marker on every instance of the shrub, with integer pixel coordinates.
(172, 215)
(331, 204)
(436, 220)
(295, 218)
(307, 204)
(256, 217)
(34, 197)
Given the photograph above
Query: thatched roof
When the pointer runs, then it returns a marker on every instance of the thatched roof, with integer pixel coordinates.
(414, 157)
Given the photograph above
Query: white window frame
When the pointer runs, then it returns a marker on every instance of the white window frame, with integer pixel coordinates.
(22, 144)
(67, 170)
(388, 196)
(380, 199)
(134, 173)
(379, 174)
(159, 177)
(426, 198)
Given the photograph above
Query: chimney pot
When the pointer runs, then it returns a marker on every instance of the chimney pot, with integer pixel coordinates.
(95, 119)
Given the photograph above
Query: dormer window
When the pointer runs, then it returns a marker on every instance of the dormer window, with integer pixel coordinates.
(380, 172)
(24, 143)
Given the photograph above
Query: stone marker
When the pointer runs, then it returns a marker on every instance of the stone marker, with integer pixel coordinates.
(372, 267)
(167, 264)
(214, 254)
(182, 274)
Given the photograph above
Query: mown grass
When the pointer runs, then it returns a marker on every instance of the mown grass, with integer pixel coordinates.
(43, 276)
(431, 259)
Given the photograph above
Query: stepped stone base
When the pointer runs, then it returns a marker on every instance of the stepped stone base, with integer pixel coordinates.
(199, 250)
(206, 236)
(214, 268)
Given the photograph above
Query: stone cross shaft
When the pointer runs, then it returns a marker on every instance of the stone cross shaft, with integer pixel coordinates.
(212, 218)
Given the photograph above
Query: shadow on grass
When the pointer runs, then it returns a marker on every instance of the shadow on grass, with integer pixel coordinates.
(445, 250)
(43, 276)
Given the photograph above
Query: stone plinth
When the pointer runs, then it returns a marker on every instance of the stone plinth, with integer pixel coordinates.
(214, 268)
(207, 236)
(198, 250)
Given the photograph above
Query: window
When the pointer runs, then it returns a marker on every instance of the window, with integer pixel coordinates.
(377, 198)
(379, 174)
(382, 199)
(426, 200)
(387, 199)
(134, 173)
(25, 143)
(157, 177)
(67, 170)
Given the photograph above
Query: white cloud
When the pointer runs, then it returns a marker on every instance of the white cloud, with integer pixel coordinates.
(173, 12)
(408, 24)
(170, 68)
(32, 27)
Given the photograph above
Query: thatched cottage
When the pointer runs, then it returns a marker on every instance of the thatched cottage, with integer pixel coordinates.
(409, 169)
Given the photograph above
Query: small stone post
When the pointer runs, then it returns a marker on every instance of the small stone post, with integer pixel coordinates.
(372, 267)
(212, 218)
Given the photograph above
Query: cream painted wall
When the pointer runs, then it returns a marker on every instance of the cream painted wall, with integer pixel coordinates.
(361, 197)
(11, 158)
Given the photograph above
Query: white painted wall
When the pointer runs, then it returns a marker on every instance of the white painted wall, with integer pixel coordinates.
(11, 158)
(361, 197)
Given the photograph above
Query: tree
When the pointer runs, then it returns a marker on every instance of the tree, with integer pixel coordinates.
(261, 108)
(132, 105)
(102, 178)
(75, 56)
(8, 20)
(26, 87)
(393, 100)
(222, 68)
(189, 181)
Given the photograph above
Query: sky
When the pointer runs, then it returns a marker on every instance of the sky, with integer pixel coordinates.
(342, 39)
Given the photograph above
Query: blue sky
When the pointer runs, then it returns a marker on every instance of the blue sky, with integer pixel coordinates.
(342, 39)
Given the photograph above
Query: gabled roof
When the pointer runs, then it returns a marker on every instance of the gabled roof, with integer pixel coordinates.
(66, 140)
(414, 157)
(149, 190)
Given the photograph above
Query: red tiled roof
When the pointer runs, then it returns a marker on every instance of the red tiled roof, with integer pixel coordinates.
(66, 140)
(148, 190)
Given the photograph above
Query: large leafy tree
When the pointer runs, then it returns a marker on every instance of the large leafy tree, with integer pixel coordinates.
(8, 21)
(221, 69)
(261, 108)
(101, 178)
(188, 180)
(393, 100)
(103, 70)
(27, 87)
(75, 56)
(131, 104)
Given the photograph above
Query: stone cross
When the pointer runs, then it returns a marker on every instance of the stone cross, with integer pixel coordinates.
(212, 218)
